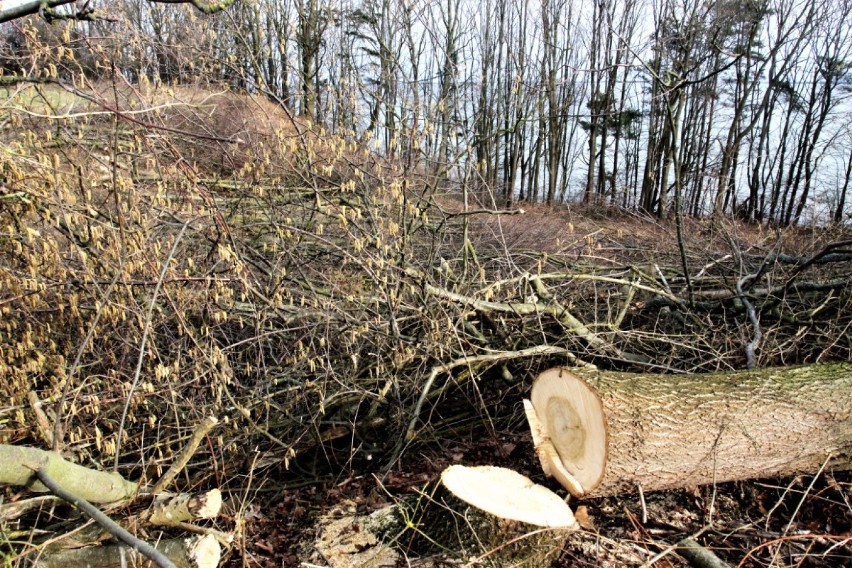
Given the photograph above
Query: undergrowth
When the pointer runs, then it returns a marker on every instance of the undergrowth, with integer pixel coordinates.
(172, 253)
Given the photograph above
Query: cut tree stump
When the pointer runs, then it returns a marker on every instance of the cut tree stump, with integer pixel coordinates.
(484, 516)
(345, 539)
(604, 433)
(497, 516)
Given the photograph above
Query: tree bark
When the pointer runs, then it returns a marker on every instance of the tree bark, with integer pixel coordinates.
(671, 431)
(193, 552)
(19, 464)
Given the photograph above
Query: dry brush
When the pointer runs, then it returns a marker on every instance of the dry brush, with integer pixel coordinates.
(170, 254)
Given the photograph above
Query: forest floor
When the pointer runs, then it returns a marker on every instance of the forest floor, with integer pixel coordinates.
(804, 521)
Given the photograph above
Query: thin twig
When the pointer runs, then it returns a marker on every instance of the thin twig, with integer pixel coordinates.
(464, 361)
(749, 279)
(672, 548)
(757, 335)
(699, 556)
(450, 214)
(9, 80)
(815, 259)
(799, 505)
(75, 366)
(145, 333)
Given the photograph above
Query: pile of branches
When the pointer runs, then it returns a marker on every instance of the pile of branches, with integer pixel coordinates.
(328, 306)
(724, 296)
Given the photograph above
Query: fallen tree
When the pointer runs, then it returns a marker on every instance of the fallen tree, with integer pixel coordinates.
(603, 433)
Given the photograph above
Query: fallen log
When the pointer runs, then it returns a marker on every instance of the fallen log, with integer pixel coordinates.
(604, 433)
(18, 465)
(192, 552)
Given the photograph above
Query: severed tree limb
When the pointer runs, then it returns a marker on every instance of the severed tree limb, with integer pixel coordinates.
(193, 552)
(750, 279)
(17, 464)
(721, 294)
(203, 6)
(42, 423)
(186, 454)
(15, 509)
(827, 254)
(823, 257)
(108, 524)
(225, 539)
(174, 509)
(755, 323)
(167, 510)
(699, 556)
(555, 310)
(14, 9)
(450, 214)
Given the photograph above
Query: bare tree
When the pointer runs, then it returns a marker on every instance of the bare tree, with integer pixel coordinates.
(312, 19)
(14, 9)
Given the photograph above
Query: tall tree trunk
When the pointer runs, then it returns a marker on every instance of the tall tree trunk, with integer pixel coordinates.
(446, 100)
(841, 201)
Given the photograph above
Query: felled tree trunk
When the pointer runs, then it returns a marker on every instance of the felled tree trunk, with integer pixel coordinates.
(603, 433)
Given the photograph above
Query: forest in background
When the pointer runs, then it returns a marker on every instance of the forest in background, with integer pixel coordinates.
(705, 107)
(351, 292)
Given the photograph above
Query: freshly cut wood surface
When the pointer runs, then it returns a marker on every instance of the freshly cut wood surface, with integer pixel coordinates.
(169, 509)
(482, 516)
(508, 495)
(551, 463)
(571, 420)
(669, 431)
(497, 516)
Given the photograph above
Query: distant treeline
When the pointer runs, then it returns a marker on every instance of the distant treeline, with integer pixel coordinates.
(704, 107)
